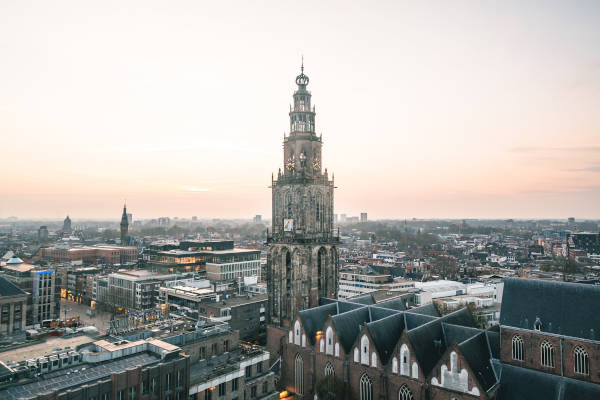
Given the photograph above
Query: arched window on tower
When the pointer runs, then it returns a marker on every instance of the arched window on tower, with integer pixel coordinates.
(581, 361)
(405, 393)
(547, 354)
(366, 388)
(517, 348)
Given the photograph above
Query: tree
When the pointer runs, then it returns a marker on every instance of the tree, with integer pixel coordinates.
(444, 266)
(331, 388)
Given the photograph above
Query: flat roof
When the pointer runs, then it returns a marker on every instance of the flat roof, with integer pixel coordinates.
(236, 301)
(75, 376)
(230, 251)
(44, 348)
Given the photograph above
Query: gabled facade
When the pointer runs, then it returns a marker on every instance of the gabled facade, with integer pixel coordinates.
(384, 351)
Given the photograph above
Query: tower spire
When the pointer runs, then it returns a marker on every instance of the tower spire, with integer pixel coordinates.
(302, 65)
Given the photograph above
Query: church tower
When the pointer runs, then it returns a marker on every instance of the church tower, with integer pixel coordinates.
(303, 249)
(124, 225)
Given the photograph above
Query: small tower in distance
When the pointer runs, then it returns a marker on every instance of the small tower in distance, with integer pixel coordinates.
(67, 225)
(124, 225)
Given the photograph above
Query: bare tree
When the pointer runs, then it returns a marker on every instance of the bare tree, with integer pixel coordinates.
(444, 266)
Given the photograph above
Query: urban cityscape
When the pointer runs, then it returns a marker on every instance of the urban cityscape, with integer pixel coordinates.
(160, 270)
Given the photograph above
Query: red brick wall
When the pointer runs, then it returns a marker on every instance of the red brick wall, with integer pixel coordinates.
(532, 353)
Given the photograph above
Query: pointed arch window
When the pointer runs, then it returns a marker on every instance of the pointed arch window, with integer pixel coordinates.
(517, 348)
(329, 371)
(547, 354)
(366, 388)
(581, 361)
(394, 365)
(329, 341)
(404, 360)
(405, 393)
(364, 350)
(299, 374)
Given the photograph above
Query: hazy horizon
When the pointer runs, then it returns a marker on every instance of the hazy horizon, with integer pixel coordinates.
(449, 109)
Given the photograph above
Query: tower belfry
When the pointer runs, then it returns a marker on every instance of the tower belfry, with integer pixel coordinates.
(303, 252)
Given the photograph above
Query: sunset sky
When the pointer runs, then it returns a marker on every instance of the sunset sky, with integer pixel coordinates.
(444, 109)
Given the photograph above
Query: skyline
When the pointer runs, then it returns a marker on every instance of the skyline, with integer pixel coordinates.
(486, 111)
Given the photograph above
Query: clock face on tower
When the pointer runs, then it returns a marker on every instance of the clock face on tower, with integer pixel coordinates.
(317, 164)
(288, 225)
(290, 163)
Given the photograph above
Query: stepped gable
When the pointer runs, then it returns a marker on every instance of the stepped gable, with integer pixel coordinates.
(385, 334)
(477, 353)
(568, 309)
(313, 319)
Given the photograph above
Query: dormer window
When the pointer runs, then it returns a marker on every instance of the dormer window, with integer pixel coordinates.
(537, 325)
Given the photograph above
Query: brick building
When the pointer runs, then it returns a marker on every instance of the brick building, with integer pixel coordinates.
(545, 348)
(101, 254)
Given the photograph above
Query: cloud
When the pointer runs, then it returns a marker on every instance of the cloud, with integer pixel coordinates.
(533, 149)
(593, 168)
(194, 189)
(570, 190)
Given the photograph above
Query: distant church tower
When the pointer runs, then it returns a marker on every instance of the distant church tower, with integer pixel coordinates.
(124, 225)
(67, 225)
(303, 250)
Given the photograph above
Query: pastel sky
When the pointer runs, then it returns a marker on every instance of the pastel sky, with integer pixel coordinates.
(427, 108)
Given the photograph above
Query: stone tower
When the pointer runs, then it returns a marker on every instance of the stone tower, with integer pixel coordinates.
(124, 225)
(67, 225)
(303, 249)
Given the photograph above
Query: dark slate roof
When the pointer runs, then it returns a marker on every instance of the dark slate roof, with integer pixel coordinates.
(378, 313)
(394, 304)
(428, 344)
(413, 321)
(494, 342)
(344, 306)
(477, 353)
(525, 384)
(365, 299)
(7, 289)
(458, 334)
(568, 309)
(314, 318)
(385, 334)
(428, 309)
(460, 317)
(348, 324)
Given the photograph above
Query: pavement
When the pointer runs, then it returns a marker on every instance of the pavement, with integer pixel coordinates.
(101, 320)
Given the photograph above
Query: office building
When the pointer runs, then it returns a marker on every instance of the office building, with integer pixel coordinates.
(13, 309)
(40, 282)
